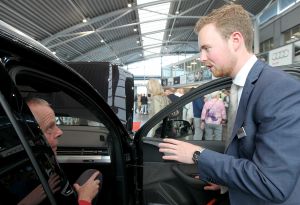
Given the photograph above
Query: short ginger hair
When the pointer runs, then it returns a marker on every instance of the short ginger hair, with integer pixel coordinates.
(228, 19)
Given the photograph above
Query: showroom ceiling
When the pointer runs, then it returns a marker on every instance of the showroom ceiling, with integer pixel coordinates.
(110, 30)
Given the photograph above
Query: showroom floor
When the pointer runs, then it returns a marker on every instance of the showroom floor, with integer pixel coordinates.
(138, 120)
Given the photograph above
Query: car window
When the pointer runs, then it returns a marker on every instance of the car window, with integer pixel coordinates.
(83, 131)
(203, 119)
(91, 136)
(19, 181)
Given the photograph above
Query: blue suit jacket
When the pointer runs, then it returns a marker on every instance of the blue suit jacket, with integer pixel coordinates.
(262, 167)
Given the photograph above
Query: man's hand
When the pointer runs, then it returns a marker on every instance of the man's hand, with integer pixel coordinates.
(179, 151)
(212, 187)
(202, 125)
(89, 189)
(37, 195)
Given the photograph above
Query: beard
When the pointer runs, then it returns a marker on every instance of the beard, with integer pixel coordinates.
(222, 71)
(217, 72)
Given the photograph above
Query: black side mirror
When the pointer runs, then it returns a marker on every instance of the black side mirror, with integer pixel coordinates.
(175, 129)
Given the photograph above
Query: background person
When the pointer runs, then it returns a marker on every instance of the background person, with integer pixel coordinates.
(197, 111)
(139, 103)
(158, 101)
(187, 110)
(261, 164)
(170, 94)
(213, 116)
(144, 101)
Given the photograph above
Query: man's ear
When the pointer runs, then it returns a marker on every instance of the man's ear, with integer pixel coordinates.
(237, 40)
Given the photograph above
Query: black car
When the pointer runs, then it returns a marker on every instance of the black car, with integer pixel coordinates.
(132, 167)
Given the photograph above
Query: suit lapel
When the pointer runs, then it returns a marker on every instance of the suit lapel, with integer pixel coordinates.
(247, 90)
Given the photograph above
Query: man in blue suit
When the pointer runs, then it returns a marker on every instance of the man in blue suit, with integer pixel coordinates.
(261, 164)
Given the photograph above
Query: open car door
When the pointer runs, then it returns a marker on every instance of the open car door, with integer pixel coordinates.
(171, 182)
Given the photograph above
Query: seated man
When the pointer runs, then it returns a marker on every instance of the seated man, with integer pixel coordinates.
(45, 117)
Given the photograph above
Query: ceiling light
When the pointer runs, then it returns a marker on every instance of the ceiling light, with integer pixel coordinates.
(84, 20)
(102, 41)
(170, 35)
(134, 29)
(137, 41)
(129, 5)
(177, 12)
(54, 52)
(193, 63)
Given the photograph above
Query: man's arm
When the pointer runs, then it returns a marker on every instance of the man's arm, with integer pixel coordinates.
(272, 171)
(38, 195)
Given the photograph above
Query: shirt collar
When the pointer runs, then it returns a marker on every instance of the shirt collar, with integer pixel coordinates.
(240, 78)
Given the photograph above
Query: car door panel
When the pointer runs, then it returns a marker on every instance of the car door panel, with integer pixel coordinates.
(170, 182)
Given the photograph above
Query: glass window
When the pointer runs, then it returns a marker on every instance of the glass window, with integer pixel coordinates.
(269, 13)
(81, 128)
(297, 52)
(285, 4)
(292, 34)
(18, 179)
(186, 122)
(266, 45)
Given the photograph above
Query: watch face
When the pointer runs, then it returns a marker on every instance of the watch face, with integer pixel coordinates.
(196, 156)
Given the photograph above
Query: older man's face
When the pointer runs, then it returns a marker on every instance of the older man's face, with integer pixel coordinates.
(46, 119)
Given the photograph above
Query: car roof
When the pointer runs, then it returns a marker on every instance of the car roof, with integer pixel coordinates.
(34, 56)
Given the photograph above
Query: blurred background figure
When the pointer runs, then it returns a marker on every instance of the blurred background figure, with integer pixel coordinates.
(144, 102)
(158, 101)
(213, 116)
(187, 111)
(139, 103)
(135, 107)
(170, 94)
(197, 111)
(226, 99)
(179, 92)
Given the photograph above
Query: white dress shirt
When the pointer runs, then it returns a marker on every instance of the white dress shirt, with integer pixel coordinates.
(241, 76)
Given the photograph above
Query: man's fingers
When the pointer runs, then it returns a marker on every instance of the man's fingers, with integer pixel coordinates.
(55, 189)
(94, 176)
(76, 187)
(172, 141)
(208, 188)
(212, 187)
(170, 157)
(167, 145)
(168, 151)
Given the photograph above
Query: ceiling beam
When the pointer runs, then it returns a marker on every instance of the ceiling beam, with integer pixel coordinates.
(128, 38)
(24, 18)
